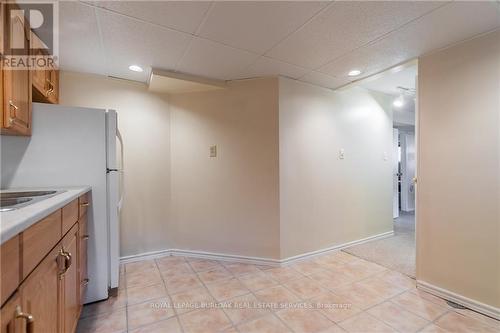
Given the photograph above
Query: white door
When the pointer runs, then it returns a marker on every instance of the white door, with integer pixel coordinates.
(395, 171)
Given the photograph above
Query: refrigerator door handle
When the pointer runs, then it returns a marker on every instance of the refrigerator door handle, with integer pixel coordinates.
(121, 170)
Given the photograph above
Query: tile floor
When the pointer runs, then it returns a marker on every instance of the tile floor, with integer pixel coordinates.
(336, 292)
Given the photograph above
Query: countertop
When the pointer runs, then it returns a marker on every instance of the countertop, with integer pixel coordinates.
(17, 220)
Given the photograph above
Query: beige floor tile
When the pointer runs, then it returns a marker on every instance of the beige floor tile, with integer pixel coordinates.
(244, 308)
(226, 289)
(149, 312)
(204, 321)
(179, 269)
(165, 326)
(333, 329)
(215, 274)
(147, 277)
(432, 328)
(335, 307)
(431, 298)
(121, 281)
(330, 259)
(180, 283)
(112, 322)
(419, 306)
(283, 274)
(305, 288)
(276, 297)
(331, 280)
(305, 320)
(141, 294)
(239, 268)
(397, 279)
(344, 257)
(231, 330)
(382, 287)
(191, 299)
(139, 266)
(267, 324)
(170, 261)
(257, 281)
(169, 265)
(455, 322)
(308, 267)
(482, 318)
(364, 323)
(200, 265)
(398, 318)
(360, 295)
(360, 269)
(106, 306)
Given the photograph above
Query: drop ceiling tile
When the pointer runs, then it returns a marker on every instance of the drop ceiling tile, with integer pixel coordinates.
(128, 41)
(180, 15)
(213, 60)
(79, 42)
(345, 26)
(265, 66)
(447, 25)
(256, 25)
(324, 80)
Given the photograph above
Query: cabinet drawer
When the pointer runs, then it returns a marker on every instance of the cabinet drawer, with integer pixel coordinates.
(69, 216)
(10, 272)
(38, 240)
(84, 202)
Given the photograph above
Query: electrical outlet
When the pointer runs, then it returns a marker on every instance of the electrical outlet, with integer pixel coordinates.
(386, 156)
(213, 151)
(341, 153)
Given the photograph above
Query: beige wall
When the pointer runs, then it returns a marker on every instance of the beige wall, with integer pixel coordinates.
(143, 119)
(326, 201)
(228, 204)
(458, 220)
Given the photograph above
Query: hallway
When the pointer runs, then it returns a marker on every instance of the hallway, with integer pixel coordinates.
(396, 252)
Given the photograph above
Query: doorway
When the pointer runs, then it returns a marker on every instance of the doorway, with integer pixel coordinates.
(398, 89)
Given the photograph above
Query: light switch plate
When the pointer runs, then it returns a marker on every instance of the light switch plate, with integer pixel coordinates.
(213, 151)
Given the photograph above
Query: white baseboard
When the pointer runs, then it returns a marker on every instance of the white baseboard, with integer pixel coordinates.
(485, 309)
(312, 254)
(248, 259)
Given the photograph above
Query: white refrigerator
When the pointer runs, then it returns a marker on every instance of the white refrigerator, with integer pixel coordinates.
(72, 146)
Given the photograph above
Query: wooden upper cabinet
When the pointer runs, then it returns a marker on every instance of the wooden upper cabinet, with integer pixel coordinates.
(16, 99)
(45, 82)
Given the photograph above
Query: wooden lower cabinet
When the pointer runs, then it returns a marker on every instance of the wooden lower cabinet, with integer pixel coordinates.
(41, 292)
(9, 323)
(50, 295)
(70, 282)
(83, 246)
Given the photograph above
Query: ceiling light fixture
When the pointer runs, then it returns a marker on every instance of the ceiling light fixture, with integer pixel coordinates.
(135, 68)
(354, 72)
(399, 102)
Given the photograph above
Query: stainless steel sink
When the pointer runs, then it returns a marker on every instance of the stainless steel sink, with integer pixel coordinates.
(8, 195)
(15, 200)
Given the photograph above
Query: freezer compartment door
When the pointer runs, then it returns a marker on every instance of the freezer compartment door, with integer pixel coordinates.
(111, 133)
(113, 227)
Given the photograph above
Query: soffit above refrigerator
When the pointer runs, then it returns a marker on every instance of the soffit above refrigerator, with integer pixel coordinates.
(162, 81)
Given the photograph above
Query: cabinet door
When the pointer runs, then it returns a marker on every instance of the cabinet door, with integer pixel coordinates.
(53, 83)
(8, 321)
(40, 293)
(71, 281)
(17, 86)
(40, 77)
(84, 238)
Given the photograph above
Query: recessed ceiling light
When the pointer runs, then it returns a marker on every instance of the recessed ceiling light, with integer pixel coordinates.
(354, 72)
(135, 68)
(398, 102)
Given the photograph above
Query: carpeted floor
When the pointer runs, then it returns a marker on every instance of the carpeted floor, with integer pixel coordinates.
(396, 252)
